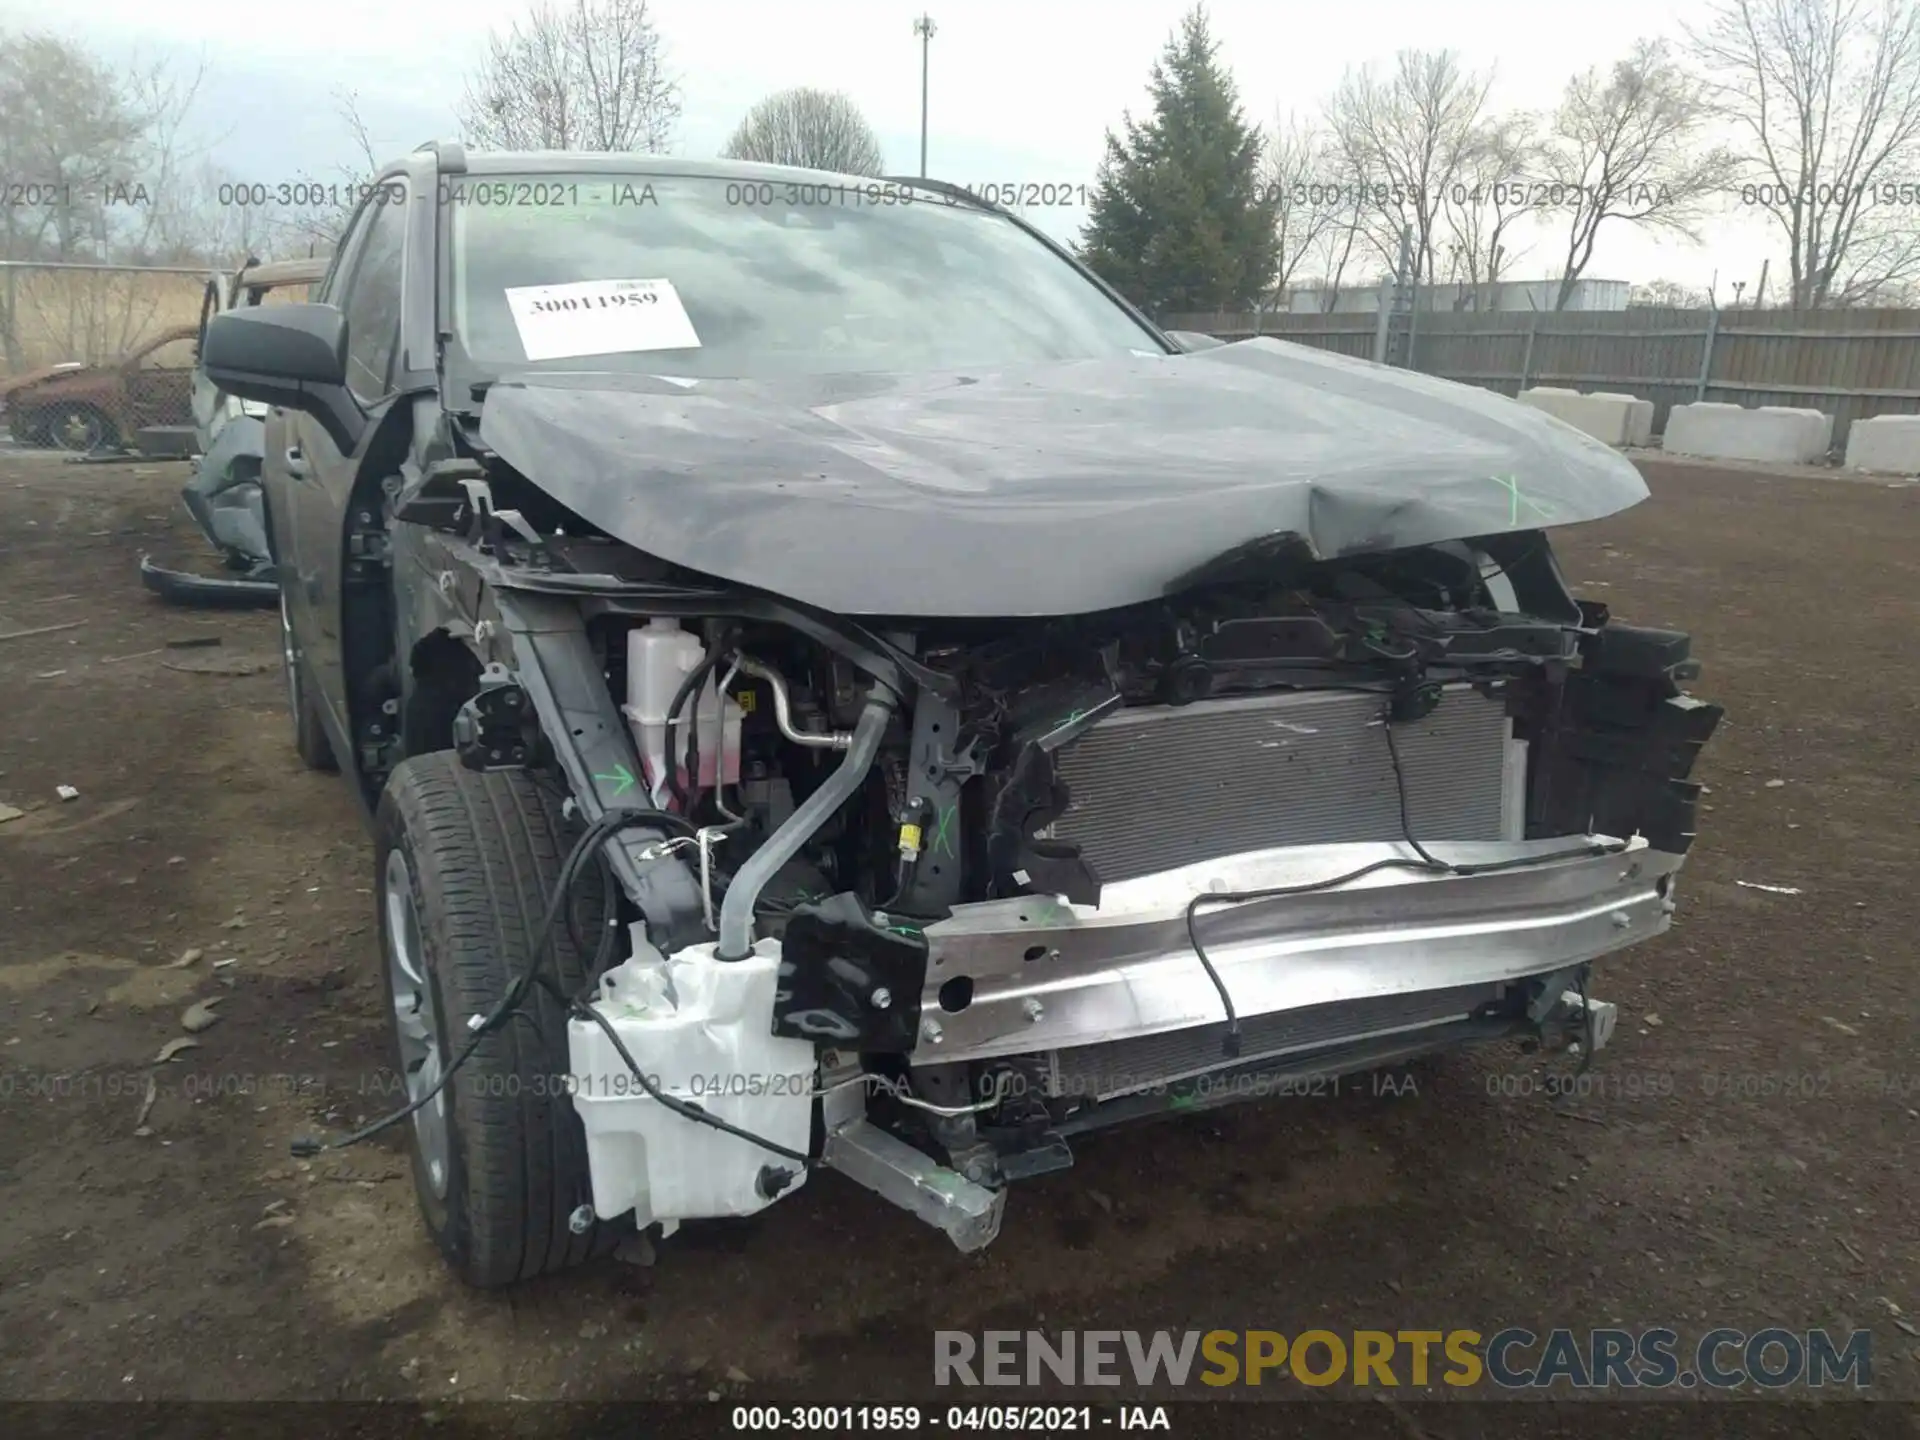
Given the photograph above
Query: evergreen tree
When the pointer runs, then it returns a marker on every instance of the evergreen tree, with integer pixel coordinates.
(1179, 220)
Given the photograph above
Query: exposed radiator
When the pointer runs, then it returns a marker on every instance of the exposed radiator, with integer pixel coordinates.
(1155, 787)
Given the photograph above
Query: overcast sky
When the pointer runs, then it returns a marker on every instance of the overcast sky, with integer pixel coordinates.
(1021, 89)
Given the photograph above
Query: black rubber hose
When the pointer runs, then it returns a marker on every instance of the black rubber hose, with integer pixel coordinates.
(694, 679)
(611, 823)
(609, 920)
(743, 893)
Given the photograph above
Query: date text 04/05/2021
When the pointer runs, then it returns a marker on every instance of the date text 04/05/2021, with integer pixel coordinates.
(960, 1419)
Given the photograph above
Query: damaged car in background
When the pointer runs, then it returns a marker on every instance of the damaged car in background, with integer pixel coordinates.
(835, 687)
(224, 494)
(135, 402)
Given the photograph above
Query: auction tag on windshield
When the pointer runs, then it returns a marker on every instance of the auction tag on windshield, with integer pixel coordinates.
(600, 317)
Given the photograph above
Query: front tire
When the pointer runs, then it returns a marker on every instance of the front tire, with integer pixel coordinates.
(466, 865)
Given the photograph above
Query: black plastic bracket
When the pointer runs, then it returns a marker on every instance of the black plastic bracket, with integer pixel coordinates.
(850, 976)
(495, 729)
(938, 767)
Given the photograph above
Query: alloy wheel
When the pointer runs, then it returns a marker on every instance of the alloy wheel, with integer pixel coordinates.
(415, 1020)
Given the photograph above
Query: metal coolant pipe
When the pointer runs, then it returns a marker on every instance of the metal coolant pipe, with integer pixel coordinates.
(736, 911)
(783, 708)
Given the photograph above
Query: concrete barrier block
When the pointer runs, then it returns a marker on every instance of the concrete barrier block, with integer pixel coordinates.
(1549, 398)
(1818, 425)
(1772, 434)
(1643, 422)
(1885, 445)
(1639, 421)
(1610, 419)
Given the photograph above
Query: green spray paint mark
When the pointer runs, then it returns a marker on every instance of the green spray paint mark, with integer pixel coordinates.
(622, 775)
(1511, 484)
(943, 832)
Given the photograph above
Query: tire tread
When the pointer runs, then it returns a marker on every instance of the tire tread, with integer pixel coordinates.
(496, 841)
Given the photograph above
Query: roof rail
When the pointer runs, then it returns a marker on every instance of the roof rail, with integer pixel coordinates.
(449, 155)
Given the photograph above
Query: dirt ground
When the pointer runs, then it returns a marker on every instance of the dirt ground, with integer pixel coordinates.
(1743, 1154)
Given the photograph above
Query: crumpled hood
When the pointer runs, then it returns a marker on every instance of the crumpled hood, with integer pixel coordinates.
(1045, 490)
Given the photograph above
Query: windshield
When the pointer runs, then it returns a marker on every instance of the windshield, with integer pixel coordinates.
(707, 277)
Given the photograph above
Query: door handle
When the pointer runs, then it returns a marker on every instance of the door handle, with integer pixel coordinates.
(296, 462)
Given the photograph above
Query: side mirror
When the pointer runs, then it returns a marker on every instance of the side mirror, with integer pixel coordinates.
(293, 356)
(1192, 340)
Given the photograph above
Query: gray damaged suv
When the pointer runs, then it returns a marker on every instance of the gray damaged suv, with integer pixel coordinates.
(834, 686)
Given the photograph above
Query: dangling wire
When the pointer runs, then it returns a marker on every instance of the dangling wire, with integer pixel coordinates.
(1426, 862)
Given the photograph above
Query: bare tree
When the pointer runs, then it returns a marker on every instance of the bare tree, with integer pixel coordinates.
(818, 129)
(1333, 254)
(103, 162)
(165, 224)
(1484, 204)
(1627, 146)
(1342, 242)
(66, 131)
(1827, 95)
(585, 75)
(1405, 139)
(314, 229)
(152, 212)
(209, 217)
(1299, 168)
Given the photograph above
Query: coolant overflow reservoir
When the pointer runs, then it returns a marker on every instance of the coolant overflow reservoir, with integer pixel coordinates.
(660, 656)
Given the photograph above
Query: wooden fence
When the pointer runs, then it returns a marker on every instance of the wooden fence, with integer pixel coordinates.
(1850, 363)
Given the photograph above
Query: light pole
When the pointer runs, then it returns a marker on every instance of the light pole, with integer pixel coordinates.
(923, 27)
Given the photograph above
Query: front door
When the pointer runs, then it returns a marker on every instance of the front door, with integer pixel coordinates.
(370, 299)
